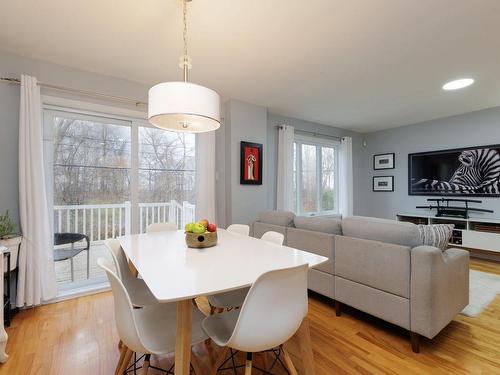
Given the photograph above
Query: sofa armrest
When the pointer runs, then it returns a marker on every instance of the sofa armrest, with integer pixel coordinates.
(439, 288)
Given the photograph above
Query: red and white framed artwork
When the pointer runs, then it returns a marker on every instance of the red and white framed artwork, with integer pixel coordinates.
(251, 163)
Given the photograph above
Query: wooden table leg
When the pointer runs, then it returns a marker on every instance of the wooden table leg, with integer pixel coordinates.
(183, 337)
(305, 345)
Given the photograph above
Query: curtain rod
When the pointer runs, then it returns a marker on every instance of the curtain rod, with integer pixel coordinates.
(122, 99)
(314, 134)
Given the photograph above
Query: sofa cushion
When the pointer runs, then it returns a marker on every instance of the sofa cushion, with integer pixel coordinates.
(258, 229)
(383, 230)
(282, 218)
(376, 264)
(313, 242)
(330, 225)
(437, 235)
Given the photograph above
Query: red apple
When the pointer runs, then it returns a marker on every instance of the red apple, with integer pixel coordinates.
(212, 228)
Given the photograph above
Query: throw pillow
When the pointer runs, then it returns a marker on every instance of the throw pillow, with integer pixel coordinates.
(437, 235)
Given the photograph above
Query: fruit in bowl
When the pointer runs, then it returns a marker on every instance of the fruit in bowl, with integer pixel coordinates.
(201, 234)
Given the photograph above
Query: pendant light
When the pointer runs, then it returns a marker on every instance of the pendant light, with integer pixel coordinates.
(184, 106)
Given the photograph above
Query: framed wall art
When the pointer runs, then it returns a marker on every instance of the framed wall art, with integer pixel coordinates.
(251, 163)
(383, 183)
(383, 161)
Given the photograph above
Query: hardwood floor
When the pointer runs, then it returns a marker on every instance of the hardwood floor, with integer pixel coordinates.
(79, 337)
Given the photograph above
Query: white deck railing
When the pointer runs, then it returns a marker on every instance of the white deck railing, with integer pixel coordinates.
(169, 212)
(104, 221)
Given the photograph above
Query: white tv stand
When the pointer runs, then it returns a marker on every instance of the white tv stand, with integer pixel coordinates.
(474, 233)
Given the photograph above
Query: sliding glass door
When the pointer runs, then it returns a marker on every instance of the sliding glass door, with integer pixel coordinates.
(108, 177)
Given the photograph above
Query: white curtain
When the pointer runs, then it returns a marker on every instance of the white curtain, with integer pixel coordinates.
(205, 176)
(284, 188)
(37, 280)
(345, 177)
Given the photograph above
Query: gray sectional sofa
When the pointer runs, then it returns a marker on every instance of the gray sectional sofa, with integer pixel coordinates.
(380, 267)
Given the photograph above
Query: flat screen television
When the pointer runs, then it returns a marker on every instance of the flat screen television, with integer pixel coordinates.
(459, 172)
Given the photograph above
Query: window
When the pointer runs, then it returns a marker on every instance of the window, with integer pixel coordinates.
(315, 176)
(108, 176)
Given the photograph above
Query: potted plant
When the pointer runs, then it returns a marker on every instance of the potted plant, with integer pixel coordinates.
(9, 238)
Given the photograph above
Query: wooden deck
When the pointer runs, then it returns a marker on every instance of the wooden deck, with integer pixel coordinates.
(63, 268)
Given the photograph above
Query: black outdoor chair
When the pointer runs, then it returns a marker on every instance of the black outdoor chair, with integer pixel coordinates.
(70, 253)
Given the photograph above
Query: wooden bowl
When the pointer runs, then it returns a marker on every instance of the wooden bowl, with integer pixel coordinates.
(198, 241)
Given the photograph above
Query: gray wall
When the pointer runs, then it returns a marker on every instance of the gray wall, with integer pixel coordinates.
(272, 152)
(243, 122)
(9, 118)
(13, 66)
(471, 129)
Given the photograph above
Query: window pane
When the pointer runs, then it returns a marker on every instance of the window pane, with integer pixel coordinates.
(309, 182)
(91, 162)
(328, 178)
(92, 159)
(166, 166)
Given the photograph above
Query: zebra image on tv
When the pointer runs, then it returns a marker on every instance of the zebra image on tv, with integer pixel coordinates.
(467, 171)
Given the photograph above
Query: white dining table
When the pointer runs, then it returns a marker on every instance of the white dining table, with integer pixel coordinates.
(176, 273)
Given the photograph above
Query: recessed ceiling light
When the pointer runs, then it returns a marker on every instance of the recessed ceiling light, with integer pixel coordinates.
(458, 84)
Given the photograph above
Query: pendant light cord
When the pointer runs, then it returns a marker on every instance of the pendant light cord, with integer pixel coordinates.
(185, 60)
(184, 13)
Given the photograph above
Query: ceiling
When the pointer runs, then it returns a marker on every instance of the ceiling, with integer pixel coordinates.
(364, 65)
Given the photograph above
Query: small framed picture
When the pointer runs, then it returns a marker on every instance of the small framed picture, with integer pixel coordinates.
(251, 163)
(383, 183)
(383, 161)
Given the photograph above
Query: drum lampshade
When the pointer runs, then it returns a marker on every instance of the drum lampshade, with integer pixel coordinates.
(184, 107)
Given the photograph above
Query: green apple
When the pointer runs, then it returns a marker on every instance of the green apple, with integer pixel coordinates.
(198, 228)
(189, 227)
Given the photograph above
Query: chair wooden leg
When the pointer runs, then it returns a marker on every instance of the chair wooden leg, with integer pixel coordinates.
(123, 351)
(248, 364)
(338, 308)
(415, 342)
(145, 365)
(288, 362)
(126, 361)
(195, 362)
(220, 360)
(195, 304)
(133, 269)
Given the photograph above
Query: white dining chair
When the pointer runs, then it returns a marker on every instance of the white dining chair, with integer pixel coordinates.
(239, 229)
(235, 298)
(271, 314)
(273, 237)
(139, 293)
(160, 227)
(149, 329)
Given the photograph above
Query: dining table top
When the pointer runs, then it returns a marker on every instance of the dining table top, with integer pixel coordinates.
(175, 272)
